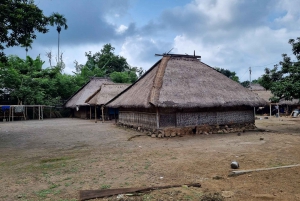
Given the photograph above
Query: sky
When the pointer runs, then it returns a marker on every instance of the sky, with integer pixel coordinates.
(229, 34)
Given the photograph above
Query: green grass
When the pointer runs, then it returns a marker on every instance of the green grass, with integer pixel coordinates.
(105, 186)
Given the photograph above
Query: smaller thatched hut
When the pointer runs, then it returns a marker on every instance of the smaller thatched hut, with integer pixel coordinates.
(77, 102)
(284, 106)
(104, 94)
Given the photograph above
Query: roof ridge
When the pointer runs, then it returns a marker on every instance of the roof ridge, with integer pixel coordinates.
(158, 80)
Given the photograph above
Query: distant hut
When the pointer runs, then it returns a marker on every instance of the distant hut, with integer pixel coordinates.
(181, 91)
(284, 106)
(76, 102)
(104, 94)
(264, 94)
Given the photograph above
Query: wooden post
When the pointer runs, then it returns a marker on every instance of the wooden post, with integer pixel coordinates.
(42, 112)
(157, 118)
(24, 114)
(95, 114)
(90, 112)
(102, 108)
(270, 110)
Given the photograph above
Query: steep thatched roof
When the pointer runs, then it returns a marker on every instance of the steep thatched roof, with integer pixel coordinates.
(79, 98)
(105, 93)
(185, 82)
(256, 87)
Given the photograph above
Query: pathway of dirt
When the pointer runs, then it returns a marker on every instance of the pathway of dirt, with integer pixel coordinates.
(54, 159)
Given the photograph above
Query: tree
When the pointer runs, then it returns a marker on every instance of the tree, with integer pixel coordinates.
(106, 60)
(60, 21)
(228, 73)
(19, 19)
(27, 45)
(284, 82)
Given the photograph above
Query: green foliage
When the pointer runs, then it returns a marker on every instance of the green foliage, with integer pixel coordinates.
(229, 74)
(106, 64)
(284, 82)
(28, 83)
(106, 60)
(19, 19)
(123, 77)
(58, 20)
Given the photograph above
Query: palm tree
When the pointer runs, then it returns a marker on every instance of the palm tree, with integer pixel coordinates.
(60, 21)
(27, 44)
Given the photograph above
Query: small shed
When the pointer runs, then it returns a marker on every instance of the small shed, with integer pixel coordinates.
(77, 102)
(104, 94)
(181, 91)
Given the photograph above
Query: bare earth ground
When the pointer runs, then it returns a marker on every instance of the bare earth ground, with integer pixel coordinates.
(54, 159)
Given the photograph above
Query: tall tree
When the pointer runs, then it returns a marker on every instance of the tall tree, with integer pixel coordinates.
(60, 21)
(284, 82)
(19, 19)
(27, 44)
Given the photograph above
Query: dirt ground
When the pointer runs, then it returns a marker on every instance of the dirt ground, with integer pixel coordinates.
(54, 159)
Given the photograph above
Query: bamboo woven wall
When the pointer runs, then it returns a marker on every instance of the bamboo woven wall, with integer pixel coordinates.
(214, 118)
(147, 120)
(182, 119)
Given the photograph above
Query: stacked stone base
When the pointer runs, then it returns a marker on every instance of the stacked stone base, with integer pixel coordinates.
(191, 130)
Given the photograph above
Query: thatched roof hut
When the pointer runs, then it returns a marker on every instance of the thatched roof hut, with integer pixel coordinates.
(105, 93)
(79, 97)
(185, 82)
(181, 91)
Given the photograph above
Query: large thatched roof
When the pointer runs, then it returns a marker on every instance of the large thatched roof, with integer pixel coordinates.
(79, 98)
(185, 82)
(105, 93)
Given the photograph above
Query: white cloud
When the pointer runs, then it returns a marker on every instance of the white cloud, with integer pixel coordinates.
(121, 29)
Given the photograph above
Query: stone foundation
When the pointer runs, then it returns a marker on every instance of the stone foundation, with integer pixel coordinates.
(191, 130)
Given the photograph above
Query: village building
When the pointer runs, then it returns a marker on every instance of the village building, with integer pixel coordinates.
(182, 93)
(282, 107)
(105, 93)
(77, 102)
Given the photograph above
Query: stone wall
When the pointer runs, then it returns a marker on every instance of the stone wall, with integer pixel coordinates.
(191, 130)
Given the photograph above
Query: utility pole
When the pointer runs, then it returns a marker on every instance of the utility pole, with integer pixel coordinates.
(250, 77)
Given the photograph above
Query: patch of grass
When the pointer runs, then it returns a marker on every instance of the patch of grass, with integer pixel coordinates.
(44, 193)
(105, 186)
(68, 184)
(54, 186)
(147, 165)
(51, 160)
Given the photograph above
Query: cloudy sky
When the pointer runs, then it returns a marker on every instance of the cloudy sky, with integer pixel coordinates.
(230, 34)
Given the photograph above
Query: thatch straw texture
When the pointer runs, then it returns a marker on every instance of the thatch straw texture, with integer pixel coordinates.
(266, 95)
(106, 93)
(79, 98)
(257, 87)
(289, 102)
(185, 83)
